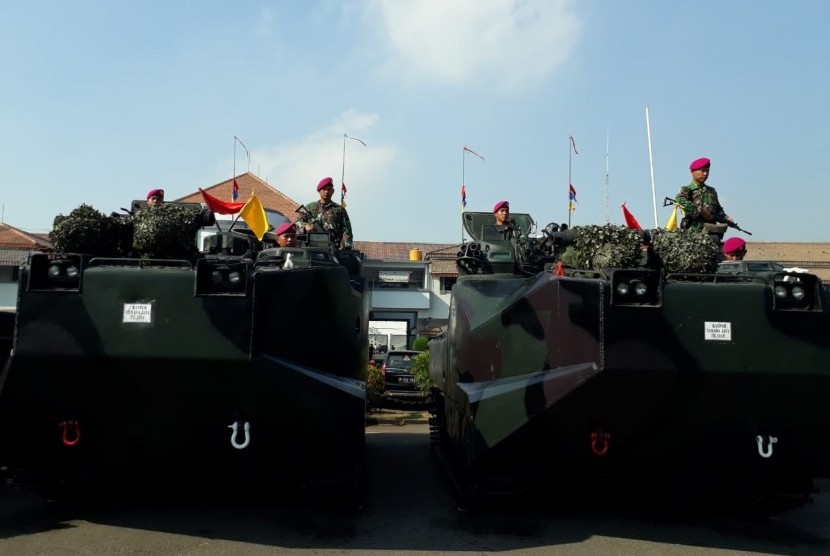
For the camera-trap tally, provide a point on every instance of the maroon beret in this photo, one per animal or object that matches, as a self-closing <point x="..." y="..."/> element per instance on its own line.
<point x="501" y="204"/>
<point x="700" y="163"/>
<point x="156" y="193"/>
<point x="325" y="182"/>
<point x="733" y="245"/>
<point x="285" y="227"/>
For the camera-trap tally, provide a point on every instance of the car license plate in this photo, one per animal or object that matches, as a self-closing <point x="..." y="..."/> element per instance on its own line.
<point x="405" y="379"/>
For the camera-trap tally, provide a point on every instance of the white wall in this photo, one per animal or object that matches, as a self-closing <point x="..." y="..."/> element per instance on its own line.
<point x="8" y="294"/>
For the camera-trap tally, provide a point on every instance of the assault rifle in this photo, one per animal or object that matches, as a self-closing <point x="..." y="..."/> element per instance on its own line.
<point x="668" y="201"/>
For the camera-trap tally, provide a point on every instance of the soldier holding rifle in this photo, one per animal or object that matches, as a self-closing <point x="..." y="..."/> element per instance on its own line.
<point x="328" y="215"/>
<point x="700" y="203"/>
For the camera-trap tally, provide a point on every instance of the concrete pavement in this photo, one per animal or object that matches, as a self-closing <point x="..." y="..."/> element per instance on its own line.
<point x="400" y="417"/>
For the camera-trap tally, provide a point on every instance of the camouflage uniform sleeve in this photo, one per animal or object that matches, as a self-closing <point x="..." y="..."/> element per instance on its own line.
<point x="684" y="199"/>
<point x="308" y="215"/>
<point x="347" y="229"/>
<point x="720" y="215"/>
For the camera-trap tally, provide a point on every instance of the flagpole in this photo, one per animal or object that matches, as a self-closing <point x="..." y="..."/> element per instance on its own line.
<point x="651" y="167"/>
<point x="607" y="214"/>
<point x="248" y="154"/>
<point x="570" y="182"/>
<point x="463" y="186"/>
<point x="343" y="171"/>
<point x="464" y="151"/>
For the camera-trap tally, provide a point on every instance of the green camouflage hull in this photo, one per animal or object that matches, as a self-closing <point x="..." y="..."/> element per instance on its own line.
<point x="558" y="376"/>
<point x="138" y="372"/>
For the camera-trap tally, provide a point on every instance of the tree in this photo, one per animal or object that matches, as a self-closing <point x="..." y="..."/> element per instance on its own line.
<point x="420" y="372"/>
<point x="420" y="344"/>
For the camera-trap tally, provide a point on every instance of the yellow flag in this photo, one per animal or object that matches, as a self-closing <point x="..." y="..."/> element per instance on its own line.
<point x="254" y="216"/>
<point x="671" y="225"/>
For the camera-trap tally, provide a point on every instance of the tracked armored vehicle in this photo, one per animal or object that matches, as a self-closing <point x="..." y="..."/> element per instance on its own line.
<point x="227" y="369"/>
<point x="572" y="380"/>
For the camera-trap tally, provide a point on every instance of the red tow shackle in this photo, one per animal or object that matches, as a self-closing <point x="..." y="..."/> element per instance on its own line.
<point x="600" y="443"/>
<point x="70" y="428"/>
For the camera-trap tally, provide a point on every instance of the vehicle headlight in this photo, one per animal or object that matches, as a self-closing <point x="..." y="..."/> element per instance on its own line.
<point x="780" y="292"/>
<point x="221" y="277"/>
<point x="62" y="272"/>
<point x="54" y="271"/>
<point x="635" y="287"/>
<point x="798" y="293"/>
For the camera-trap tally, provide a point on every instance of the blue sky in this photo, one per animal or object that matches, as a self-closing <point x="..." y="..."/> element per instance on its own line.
<point x="102" y="101"/>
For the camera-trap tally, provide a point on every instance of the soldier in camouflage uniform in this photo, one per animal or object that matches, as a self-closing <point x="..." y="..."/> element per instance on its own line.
<point x="699" y="201"/>
<point x="506" y="225"/>
<point x="330" y="216"/>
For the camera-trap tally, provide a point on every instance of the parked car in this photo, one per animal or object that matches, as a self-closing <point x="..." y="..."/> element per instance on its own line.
<point x="748" y="267"/>
<point x="397" y="374"/>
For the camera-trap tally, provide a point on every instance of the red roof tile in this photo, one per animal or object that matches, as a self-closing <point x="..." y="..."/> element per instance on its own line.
<point x="396" y="251"/>
<point x="13" y="238"/>
<point x="443" y="267"/>
<point x="774" y="251"/>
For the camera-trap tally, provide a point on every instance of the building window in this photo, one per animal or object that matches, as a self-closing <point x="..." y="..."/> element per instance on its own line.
<point x="398" y="279"/>
<point x="9" y="273"/>
<point x="447" y="283"/>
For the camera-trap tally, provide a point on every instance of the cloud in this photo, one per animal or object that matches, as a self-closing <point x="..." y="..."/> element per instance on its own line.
<point x="295" y="167"/>
<point x="264" y="25"/>
<point x="514" y="43"/>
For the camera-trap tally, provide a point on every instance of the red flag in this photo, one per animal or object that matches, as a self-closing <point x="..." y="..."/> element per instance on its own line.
<point x="630" y="221"/>
<point x="220" y="207"/>
<point x="463" y="197"/>
<point x="235" y="194"/>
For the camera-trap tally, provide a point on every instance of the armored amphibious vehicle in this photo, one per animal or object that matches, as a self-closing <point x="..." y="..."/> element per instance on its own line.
<point x="580" y="378"/>
<point x="238" y="365"/>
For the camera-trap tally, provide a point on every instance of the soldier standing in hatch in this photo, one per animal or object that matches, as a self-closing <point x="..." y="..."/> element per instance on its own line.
<point x="507" y="227"/>
<point x="331" y="217"/>
<point x="734" y="249"/>
<point x="286" y="235"/>
<point x="501" y="211"/>
<point x="699" y="201"/>
<point x="155" y="197"/>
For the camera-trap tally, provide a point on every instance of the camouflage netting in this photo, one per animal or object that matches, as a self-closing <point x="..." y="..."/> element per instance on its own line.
<point x="690" y="251"/>
<point x="166" y="231"/>
<point x="86" y="230"/>
<point x="609" y="246"/>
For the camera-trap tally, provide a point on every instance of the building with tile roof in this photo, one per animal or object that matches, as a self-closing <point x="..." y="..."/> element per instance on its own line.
<point x="398" y="251"/>
<point x="15" y="246"/>
<point x="814" y="257"/>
